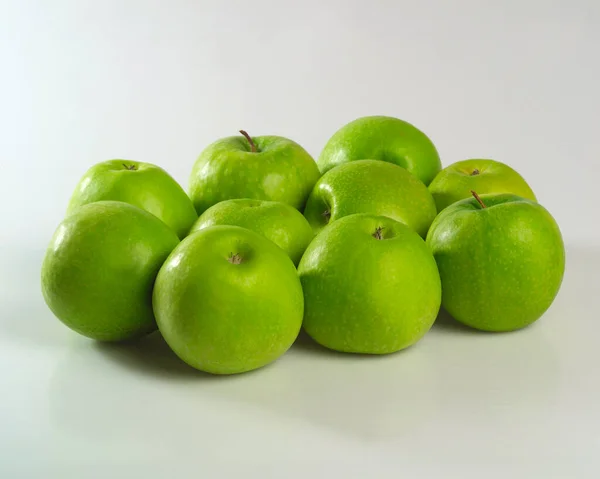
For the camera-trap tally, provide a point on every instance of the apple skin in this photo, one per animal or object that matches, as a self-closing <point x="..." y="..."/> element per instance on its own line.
<point x="382" y="138"/>
<point x="485" y="176"/>
<point x="144" y="185"/>
<point x="99" y="269"/>
<point x="281" y="170"/>
<point x="501" y="267"/>
<point x="370" y="186"/>
<point x="222" y="317"/>
<point x="368" y="295"/>
<point x="282" y="224"/>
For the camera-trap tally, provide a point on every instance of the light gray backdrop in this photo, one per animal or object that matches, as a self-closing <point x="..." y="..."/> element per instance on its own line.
<point x="85" y="81"/>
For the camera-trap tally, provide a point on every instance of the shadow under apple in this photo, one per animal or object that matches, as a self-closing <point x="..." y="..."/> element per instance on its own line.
<point x="149" y="355"/>
<point x="475" y="374"/>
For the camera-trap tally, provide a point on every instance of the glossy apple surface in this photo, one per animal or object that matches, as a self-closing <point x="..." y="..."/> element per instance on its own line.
<point x="382" y="138"/>
<point x="228" y="300"/>
<point x="370" y="286"/>
<point x="501" y="266"/>
<point x="278" y="222"/>
<point x="144" y="185"/>
<point x="269" y="168"/>
<point x="100" y="266"/>
<point x="370" y="186"/>
<point x="485" y="176"/>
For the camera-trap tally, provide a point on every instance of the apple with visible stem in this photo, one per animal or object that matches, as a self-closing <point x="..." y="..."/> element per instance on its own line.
<point x="99" y="269"/>
<point x="382" y="138"/>
<point x="269" y="168"/>
<point x="144" y="185"/>
<point x="485" y="176"/>
<point x="370" y="286"/>
<point x="278" y="222"/>
<point x="370" y="186"/>
<point x="228" y="300"/>
<point x="501" y="260"/>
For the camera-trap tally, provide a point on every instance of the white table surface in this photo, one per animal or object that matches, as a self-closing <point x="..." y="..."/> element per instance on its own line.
<point x="157" y="81"/>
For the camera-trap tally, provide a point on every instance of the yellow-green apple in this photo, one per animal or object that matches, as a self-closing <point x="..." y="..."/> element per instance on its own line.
<point x="382" y="138"/>
<point x="278" y="222"/>
<point x="99" y="269"/>
<point x="144" y="185"/>
<point x="228" y="300"/>
<point x="370" y="286"/>
<point x="485" y="176"/>
<point x="501" y="260"/>
<point x="269" y="168"/>
<point x="370" y="186"/>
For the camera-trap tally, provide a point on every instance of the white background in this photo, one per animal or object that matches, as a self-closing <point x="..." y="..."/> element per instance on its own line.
<point x="156" y="81"/>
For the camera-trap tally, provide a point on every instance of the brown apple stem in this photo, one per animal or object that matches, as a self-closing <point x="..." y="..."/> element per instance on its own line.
<point x="378" y="233"/>
<point x="234" y="258"/>
<point x="252" y="145"/>
<point x="479" y="200"/>
<point x="475" y="172"/>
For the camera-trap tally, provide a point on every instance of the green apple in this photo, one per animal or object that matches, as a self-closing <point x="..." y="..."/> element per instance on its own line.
<point x="269" y="168"/>
<point x="370" y="285"/>
<point x="144" y="185"/>
<point x="485" y="176"/>
<point x="501" y="260"/>
<point x="99" y="269"/>
<point x="370" y="186"/>
<point x="228" y="300"/>
<point x="282" y="224"/>
<point x="382" y="138"/>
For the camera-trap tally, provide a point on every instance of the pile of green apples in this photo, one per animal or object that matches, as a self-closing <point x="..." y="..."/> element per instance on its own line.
<point x="360" y="248"/>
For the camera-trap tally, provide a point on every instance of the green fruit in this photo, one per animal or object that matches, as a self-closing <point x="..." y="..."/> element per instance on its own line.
<point x="370" y="286"/>
<point x="283" y="225"/>
<point x="501" y="266"/>
<point x="263" y="168"/>
<point x="382" y="138"/>
<point x="100" y="266"/>
<point x="228" y="300"/>
<point x="370" y="186"/>
<point x="455" y="182"/>
<point x="144" y="185"/>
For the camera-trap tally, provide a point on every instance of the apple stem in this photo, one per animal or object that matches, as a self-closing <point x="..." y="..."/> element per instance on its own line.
<point x="479" y="200"/>
<point x="327" y="215"/>
<point x="252" y="145"/>
<point x="378" y="233"/>
<point x="234" y="258"/>
<point x="475" y="172"/>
